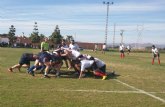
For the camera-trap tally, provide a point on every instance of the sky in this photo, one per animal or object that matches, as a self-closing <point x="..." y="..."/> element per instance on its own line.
<point x="143" y="21"/>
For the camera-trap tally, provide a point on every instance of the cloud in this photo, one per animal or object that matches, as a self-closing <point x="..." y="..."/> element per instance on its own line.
<point x="83" y="19"/>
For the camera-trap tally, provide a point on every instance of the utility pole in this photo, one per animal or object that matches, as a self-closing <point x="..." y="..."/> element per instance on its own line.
<point x="23" y="34"/>
<point x="121" y="36"/>
<point x="106" y="26"/>
<point x="140" y="29"/>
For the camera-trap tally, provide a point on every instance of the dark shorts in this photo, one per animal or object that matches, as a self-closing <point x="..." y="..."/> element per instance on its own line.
<point x="44" y="57"/>
<point x="129" y="50"/>
<point x="156" y="55"/>
<point x="24" y="61"/>
<point x="121" y="51"/>
<point x="64" y="57"/>
<point x="103" y="68"/>
<point x="56" y="59"/>
<point x="76" y="62"/>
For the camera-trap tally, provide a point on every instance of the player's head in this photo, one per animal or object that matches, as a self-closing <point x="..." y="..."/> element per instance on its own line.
<point x="46" y="39"/>
<point x="91" y="58"/>
<point x="36" y="56"/>
<point x="153" y="46"/>
<point x="72" y="41"/>
<point x="63" y="41"/>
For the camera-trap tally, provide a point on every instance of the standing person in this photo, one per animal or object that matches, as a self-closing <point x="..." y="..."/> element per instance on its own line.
<point x="63" y="46"/>
<point x="74" y="46"/>
<point x="155" y="53"/>
<point x="104" y="48"/>
<point x="24" y="61"/>
<point x="96" y="48"/>
<point x="129" y="49"/>
<point x="45" y="45"/>
<point x="121" y="49"/>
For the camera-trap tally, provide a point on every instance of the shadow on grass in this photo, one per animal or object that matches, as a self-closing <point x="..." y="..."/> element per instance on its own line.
<point x="74" y="75"/>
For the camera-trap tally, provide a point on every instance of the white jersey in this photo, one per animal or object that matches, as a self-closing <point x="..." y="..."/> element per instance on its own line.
<point x="121" y="47"/>
<point x="155" y="51"/>
<point x="75" y="54"/>
<point x="74" y="47"/>
<point x="99" y="63"/>
<point x="64" y="46"/>
<point x="86" y="64"/>
<point x="128" y="47"/>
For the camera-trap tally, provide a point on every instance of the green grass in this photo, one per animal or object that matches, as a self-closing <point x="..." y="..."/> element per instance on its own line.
<point x="20" y="89"/>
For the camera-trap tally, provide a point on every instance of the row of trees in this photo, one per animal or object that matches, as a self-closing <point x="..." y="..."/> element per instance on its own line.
<point x="55" y="37"/>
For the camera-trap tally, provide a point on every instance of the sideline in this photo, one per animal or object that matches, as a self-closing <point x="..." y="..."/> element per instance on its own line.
<point x="141" y="91"/>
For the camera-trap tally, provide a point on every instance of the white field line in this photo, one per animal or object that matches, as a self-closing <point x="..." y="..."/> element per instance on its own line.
<point x="100" y="91"/>
<point x="141" y="91"/>
<point x="94" y="91"/>
<point x="105" y="91"/>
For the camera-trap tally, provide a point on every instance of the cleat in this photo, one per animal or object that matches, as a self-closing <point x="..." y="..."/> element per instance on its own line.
<point x="32" y="73"/>
<point x="104" y="77"/>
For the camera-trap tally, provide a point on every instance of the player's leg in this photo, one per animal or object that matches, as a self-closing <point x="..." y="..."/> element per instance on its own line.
<point x="13" y="67"/>
<point x="101" y="74"/>
<point x="153" y="59"/>
<point x="158" y="59"/>
<point x="47" y="64"/>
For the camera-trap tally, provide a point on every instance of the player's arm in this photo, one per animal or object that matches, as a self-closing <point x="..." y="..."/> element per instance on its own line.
<point x="82" y="70"/>
<point x="80" y="74"/>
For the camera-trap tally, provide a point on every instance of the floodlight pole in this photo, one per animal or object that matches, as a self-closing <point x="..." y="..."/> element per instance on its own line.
<point x="106" y="26"/>
<point x="121" y="36"/>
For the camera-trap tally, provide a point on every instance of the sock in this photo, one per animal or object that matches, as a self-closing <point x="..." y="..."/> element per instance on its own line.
<point x="158" y="61"/>
<point x="97" y="73"/>
<point x="31" y="69"/>
<point x="152" y="61"/>
<point x="121" y="55"/>
<point x="45" y="73"/>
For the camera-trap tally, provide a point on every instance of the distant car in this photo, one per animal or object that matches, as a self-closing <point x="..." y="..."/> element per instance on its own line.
<point x="81" y="49"/>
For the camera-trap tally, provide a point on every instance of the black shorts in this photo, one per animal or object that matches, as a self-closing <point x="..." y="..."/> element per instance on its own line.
<point x="24" y="61"/>
<point x="64" y="57"/>
<point x="156" y="55"/>
<point x="56" y="59"/>
<point x="76" y="62"/>
<point x="121" y="51"/>
<point x="103" y="68"/>
<point x="129" y="50"/>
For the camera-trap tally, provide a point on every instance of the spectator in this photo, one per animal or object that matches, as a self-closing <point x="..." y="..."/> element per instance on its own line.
<point x="74" y="46"/>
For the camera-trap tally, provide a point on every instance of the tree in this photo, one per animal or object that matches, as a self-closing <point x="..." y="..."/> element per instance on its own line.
<point x="35" y="38"/>
<point x="56" y="36"/>
<point x="11" y="35"/>
<point x="42" y="36"/>
<point x="69" y="38"/>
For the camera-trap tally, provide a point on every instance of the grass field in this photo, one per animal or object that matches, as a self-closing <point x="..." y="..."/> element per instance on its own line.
<point x="138" y="84"/>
